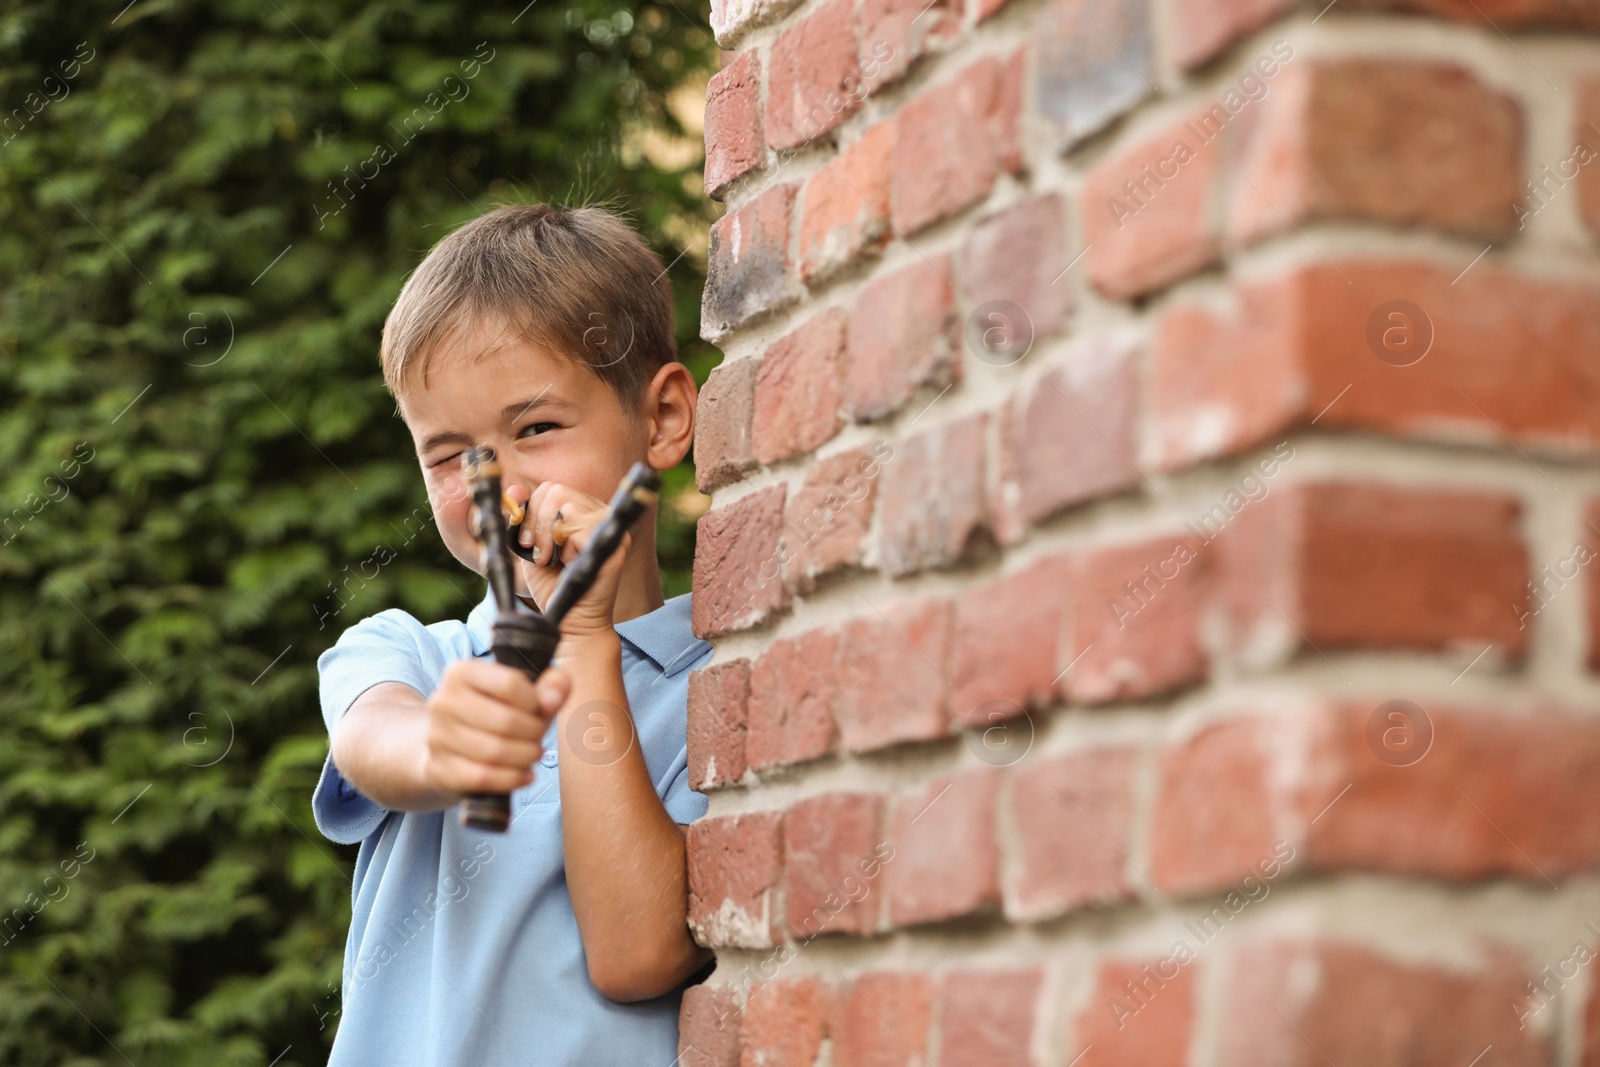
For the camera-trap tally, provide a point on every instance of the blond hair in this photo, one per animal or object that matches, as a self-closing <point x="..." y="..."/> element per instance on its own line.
<point x="576" y="280"/>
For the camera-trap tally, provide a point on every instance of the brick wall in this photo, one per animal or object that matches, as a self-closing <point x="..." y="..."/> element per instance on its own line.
<point x="1154" y="492"/>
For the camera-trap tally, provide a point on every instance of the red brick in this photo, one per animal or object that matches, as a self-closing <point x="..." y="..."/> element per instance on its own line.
<point x="951" y="143"/>
<point x="1071" y="436"/>
<point x="1152" y="214"/>
<point x="932" y="505"/>
<point x="800" y="389"/>
<point x="1203" y="29"/>
<point x="717" y="721"/>
<point x="722" y="450"/>
<point x="1007" y="642"/>
<point x="813" y="82"/>
<point x="1299" y="1004"/>
<point x="1074" y="831"/>
<point x="829" y="514"/>
<point x="833" y="854"/>
<point x="1135" y="628"/>
<point x="1219" y="386"/>
<point x="1485" y="800"/>
<point x="785" y="1023"/>
<point x="1301" y="786"/>
<point x="708" y="1027"/>
<point x="902" y="336"/>
<point x="1331" y="565"/>
<point x="896" y="33"/>
<point x="1587" y="134"/>
<point x="734" y="865"/>
<point x="1325" y="148"/>
<point x="882" y="1020"/>
<point x="1140" y="1014"/>
<point x="734" y="145"/>
<point x="1503" y="14"/>
<point x="1094" y="63"/>
<point x="793" y="688"/>
<point x="988" y="1018"/>
<point x="891" y="676"/>
<point x="946" y="858"/>
<point x="845" y="214"/>
<point x="750" y="271"/>
<point x="1018" y="255"/>
<point x="1215" y="814"/>
<point x="1508" y="355"/>
<point x="1270" y="148"/>
<point x="735" y="549"/>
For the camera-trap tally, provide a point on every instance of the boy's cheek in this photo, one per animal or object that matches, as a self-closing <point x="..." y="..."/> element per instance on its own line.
<point x="451" y="501"/>
<point x="463" y="547"/>
<point x="447" y="487"/>
<point x="451" y="517"/>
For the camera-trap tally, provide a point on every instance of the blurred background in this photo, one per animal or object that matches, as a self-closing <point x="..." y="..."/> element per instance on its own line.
<point x="206" y="210"/>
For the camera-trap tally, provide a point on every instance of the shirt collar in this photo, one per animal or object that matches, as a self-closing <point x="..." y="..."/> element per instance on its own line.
<point x="664" y="635"/>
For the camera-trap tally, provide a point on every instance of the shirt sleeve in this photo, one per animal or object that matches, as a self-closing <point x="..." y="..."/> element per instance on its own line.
<point x="383" y="648"/>
<point x="681" y="802"/>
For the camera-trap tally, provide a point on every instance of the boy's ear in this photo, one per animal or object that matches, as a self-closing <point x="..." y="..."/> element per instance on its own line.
<point x="669" y="414"/>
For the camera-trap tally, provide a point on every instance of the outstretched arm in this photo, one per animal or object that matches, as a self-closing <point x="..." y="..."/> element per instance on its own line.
<point x="480" y="732"/>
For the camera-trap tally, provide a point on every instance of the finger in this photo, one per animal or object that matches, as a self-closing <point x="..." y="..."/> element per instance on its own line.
<point x="535" y="500"/>
<point x="491" y="679"/>
<point x="514" y="503"/>
<point x="580" y="541"/>
<point x="563" y="529"/>
<point x="512" y="721"/>
<point x="535" y="582"/>
<point x="544" y="520"/>
<point x="568" y="504"/>
<point x="555" y="685"/>
<point x="470" y="678"/>
<point x="460" y="775"/>
<point x="479" y="746"/>
<point x="582" y="529"/>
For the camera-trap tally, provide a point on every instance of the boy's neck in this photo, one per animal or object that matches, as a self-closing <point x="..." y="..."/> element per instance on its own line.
<point x="639" y="591"/>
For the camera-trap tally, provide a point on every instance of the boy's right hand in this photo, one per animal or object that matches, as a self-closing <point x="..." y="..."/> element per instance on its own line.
<point x="486" y="725"/>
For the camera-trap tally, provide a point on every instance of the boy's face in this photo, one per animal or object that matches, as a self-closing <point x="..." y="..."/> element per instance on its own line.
<point x="548" y="419"/>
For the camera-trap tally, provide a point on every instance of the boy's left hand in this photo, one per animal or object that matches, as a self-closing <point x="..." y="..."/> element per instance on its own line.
<point x="594" y="614"/>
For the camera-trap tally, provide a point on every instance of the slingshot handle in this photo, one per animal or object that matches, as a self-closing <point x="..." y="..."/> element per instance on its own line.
<point x="527" y="642"/>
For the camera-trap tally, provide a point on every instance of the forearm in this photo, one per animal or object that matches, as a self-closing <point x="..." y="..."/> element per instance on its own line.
<point x="625" y="859"/>
<point x="379" y="747"/>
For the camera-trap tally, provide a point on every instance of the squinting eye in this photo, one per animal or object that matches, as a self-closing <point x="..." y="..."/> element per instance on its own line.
<point x="439" y="463"/>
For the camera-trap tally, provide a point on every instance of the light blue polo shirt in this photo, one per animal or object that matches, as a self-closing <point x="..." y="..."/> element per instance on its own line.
<point x="463" y="948"/>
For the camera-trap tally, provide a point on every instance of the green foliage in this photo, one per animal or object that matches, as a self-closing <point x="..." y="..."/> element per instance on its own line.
<point x="197" y="454"/>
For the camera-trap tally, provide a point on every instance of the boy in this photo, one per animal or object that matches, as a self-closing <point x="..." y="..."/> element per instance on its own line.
<point x="546" y="334"/>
